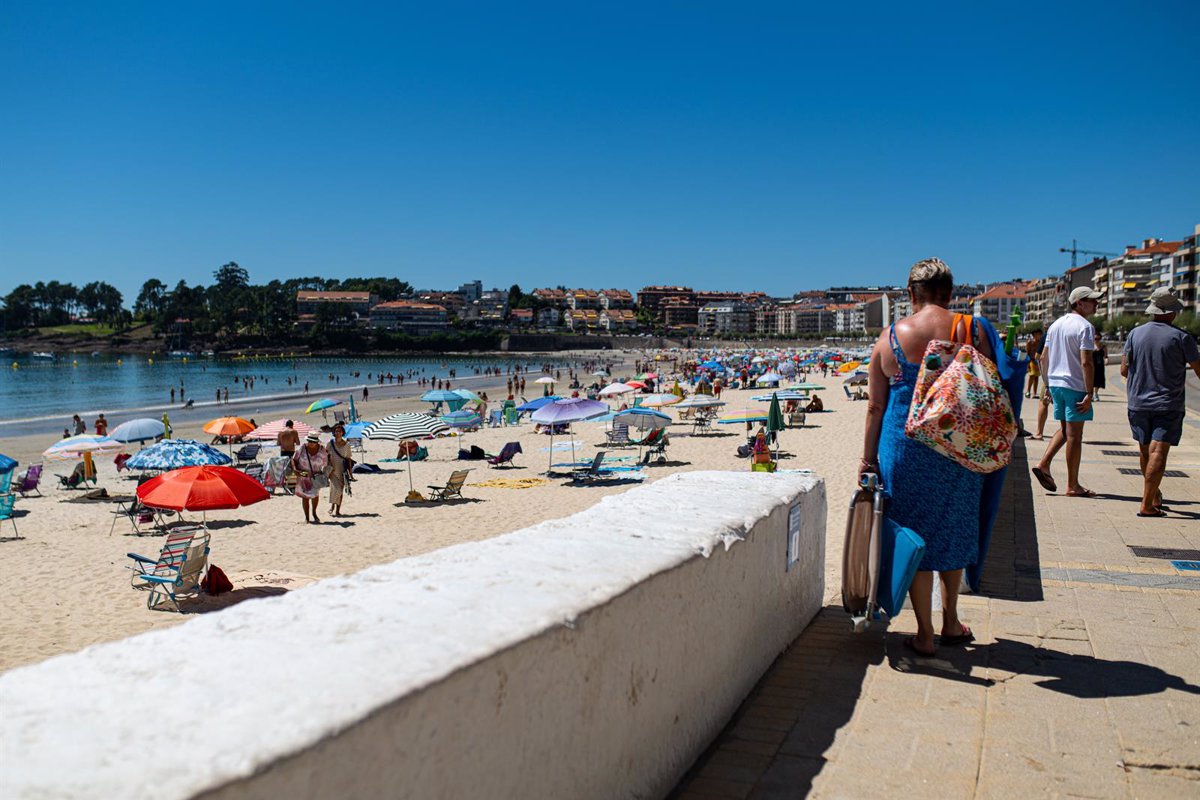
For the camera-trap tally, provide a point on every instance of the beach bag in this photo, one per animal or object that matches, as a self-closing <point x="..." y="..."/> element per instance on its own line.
<point x="216" y="581"/>
<point x="319" y="479"/>
<point x="959" y="406"/>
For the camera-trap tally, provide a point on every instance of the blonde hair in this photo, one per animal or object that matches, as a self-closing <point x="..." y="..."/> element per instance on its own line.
<point x="931" y="279"/>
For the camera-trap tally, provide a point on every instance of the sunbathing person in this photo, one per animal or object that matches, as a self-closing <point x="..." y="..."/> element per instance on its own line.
<point x="814" y="405"/>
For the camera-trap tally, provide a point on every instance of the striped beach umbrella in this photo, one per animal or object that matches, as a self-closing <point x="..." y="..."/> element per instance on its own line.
<point x="406" y="425"/>
<point x="73" y="447"/>
<point x="271" y="430"/>
<point x="177" y="453"/>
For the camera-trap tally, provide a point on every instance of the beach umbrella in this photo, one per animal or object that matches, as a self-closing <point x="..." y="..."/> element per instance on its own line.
<point x="775" y="421"/>
<point x="406" y="425"/>
<point x="355" y="430"/>
<point x="536" y="403"/>
<point x="271" y="430"/>
<point x="617" y="388"/>
<point x="769" y="377"/>
<point x="600" y="373"/>
<point x="138" y="430"/>
<point x="175" y="454"/>
<point x="811" y="387"/>
<point x="467" y="394"/>
<point x="644" y="419"/>
<point x="7" y="463"/>
<point x="228" y="426"/>
<point x="202" y="488"/>
<point x="546" y="379"/>
<point x="782" y="394"/>
<point x="571" y="409"/>
<point x="659" y="400"/>
<point x="462" y="419"/>
<point x="849" y="365"/>
<point x="72" y="448"/>
<point x="743" y="417"/>
<point x="635" y="384"/>
<point x="439" y="396"/>
<point x="699" y="401"/>
<point x="321" y="405"/>
<point x="857" y="379"/>
<point x="714" y="366"/>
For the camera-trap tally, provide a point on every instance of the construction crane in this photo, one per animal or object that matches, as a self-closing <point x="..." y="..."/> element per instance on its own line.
<point x="1075" y="251"/>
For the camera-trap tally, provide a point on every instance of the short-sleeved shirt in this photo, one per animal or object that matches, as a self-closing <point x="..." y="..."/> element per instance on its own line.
<point x="1064" y="340"/>
<point x="1158" y="355"/>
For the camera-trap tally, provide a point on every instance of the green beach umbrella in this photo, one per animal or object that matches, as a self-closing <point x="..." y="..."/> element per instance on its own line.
<point x="775" y="419"/>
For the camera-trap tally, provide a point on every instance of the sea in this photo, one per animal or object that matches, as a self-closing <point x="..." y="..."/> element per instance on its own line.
<point x="33" y="388"/>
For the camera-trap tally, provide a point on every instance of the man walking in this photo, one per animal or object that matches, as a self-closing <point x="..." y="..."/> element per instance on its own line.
<point x="1067" y="365"/>
<point x="1157" y="355"/>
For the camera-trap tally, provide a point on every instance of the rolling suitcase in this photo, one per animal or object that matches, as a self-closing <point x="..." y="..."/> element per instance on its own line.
<point x="879" y="557"/>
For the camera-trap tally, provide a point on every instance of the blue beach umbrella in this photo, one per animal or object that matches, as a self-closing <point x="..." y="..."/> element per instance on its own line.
<point x="138" y="430"/>
<point x="355" y="430"/>
<point x="7" y="463"/>
<point x="534" y="405"/>
<point x="176" y="453"/>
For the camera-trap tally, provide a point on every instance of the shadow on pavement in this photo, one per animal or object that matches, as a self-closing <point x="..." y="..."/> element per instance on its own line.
<point x="1013" y="569"/>
<point x="1079" y="676"/>
<point x="789" y="720"/>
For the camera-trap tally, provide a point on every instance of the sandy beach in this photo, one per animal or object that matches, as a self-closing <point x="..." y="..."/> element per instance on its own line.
<point x="85" y="598"/>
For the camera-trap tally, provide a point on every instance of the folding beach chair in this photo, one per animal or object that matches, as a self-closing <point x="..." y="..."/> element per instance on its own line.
<point x="453" y="487"/>
<point x="495" y="418"/>
<point x="618" y="436"/>
<point x="255" y="471"/>
<point x="339" y="416"/>
<point x="701" y="425"/>
<point x="247" y="454"/>
<point x="278" y="474"/>
<point x="28" y="481"/>
<point x="356" y="445"/>
<point x="506" y="455"/>
<point x="7" y="504"/>
<point x="176" y="573"/>
<point x="84" y="471"/>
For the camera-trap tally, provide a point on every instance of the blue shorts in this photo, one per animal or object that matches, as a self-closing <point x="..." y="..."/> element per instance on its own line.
<point x="1064" y="405"/>
<point x="1156" y="426"/>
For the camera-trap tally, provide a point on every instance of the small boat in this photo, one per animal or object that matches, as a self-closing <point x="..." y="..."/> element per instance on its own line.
<point x="50" y="356"/>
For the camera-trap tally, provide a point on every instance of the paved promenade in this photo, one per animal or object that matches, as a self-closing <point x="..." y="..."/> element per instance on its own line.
<point x="1084" y="680"/>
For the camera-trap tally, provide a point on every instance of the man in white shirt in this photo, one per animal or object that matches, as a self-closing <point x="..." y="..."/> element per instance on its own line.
<point x="1067" y="364"/>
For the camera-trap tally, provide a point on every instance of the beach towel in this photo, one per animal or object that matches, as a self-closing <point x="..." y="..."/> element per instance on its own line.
<point x="1012" y="368"/>
<point x="512" y="483"/>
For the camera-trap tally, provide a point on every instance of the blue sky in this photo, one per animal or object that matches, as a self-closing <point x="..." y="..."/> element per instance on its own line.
<point x="722" y="145"/>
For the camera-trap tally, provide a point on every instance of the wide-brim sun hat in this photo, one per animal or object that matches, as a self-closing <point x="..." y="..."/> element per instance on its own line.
<point x="1162" y="301"/>
<point x="312" y="438"/>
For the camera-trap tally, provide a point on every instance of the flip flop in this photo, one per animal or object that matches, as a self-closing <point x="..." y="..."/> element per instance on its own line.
<point x="966" y="637"/>
<point x="1158" y="512"/>
<point x="1084" y="493"/>
<point x="1045" y="480"/>
<point x="910" y="644"/>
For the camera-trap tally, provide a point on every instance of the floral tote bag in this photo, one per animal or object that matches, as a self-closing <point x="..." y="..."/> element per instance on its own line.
<point x="959" y="406"/>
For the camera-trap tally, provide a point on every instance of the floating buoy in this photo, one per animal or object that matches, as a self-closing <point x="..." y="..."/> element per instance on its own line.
<point x="15" y="365"/>
<point x="74" y="363"/>
<point x="119" y="362"/>
<point x="185" y="359"/>
<point x="149" y="360"/>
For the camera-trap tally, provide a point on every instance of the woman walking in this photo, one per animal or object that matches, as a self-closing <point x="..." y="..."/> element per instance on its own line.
<point x="930" y="493"/>
<point x="1099" y="362"/>
<point x="310" y="462"/>
<point x="340" y="466"/>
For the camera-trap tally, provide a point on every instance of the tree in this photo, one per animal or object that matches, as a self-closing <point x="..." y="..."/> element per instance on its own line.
<point x="151" y="300"/>
<point x="232" y="276"/>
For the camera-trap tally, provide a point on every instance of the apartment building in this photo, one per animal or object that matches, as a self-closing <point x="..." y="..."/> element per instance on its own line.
<point x="1045" y="300"/>
<point x="998" y="302"/>
<point x="357" y="305"/>
<point x="616" y="298"/>
<point x="724" y="319"/>
<point x="415" y="319"/>
<point x="618" y="320"/>
<point x="1132" y="276"/>
<point x="1178" y="271"/>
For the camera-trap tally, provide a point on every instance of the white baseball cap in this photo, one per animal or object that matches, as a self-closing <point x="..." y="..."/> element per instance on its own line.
<point x="1083" y="293"/>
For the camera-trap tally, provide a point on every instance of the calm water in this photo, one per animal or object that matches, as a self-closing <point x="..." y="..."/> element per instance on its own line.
<point x="81" y="383"/>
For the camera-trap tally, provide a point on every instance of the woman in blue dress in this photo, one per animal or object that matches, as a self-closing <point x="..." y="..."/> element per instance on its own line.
<point x="930" y="494"/>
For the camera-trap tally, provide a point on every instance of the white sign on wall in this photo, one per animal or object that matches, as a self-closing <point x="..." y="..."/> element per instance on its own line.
<point x="793" y="535"/>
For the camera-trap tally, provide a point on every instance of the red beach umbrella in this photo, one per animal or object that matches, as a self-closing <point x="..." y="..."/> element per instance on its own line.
<point x="204" y="488"/>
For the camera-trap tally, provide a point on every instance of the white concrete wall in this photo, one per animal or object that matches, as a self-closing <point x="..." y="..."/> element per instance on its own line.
<point x="593" y="656"/>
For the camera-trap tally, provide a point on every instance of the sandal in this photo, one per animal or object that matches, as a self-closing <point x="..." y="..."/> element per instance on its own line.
<point x="1158" y="512"/>
<point x="966" y="637"/>
<point x="910" y="643"/>
<point x="1045" y="480"/>
<point x="1084" y="493"/>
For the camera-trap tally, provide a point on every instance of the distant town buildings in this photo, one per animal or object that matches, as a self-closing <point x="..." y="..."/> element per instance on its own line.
<point x="1126" y="281"/>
